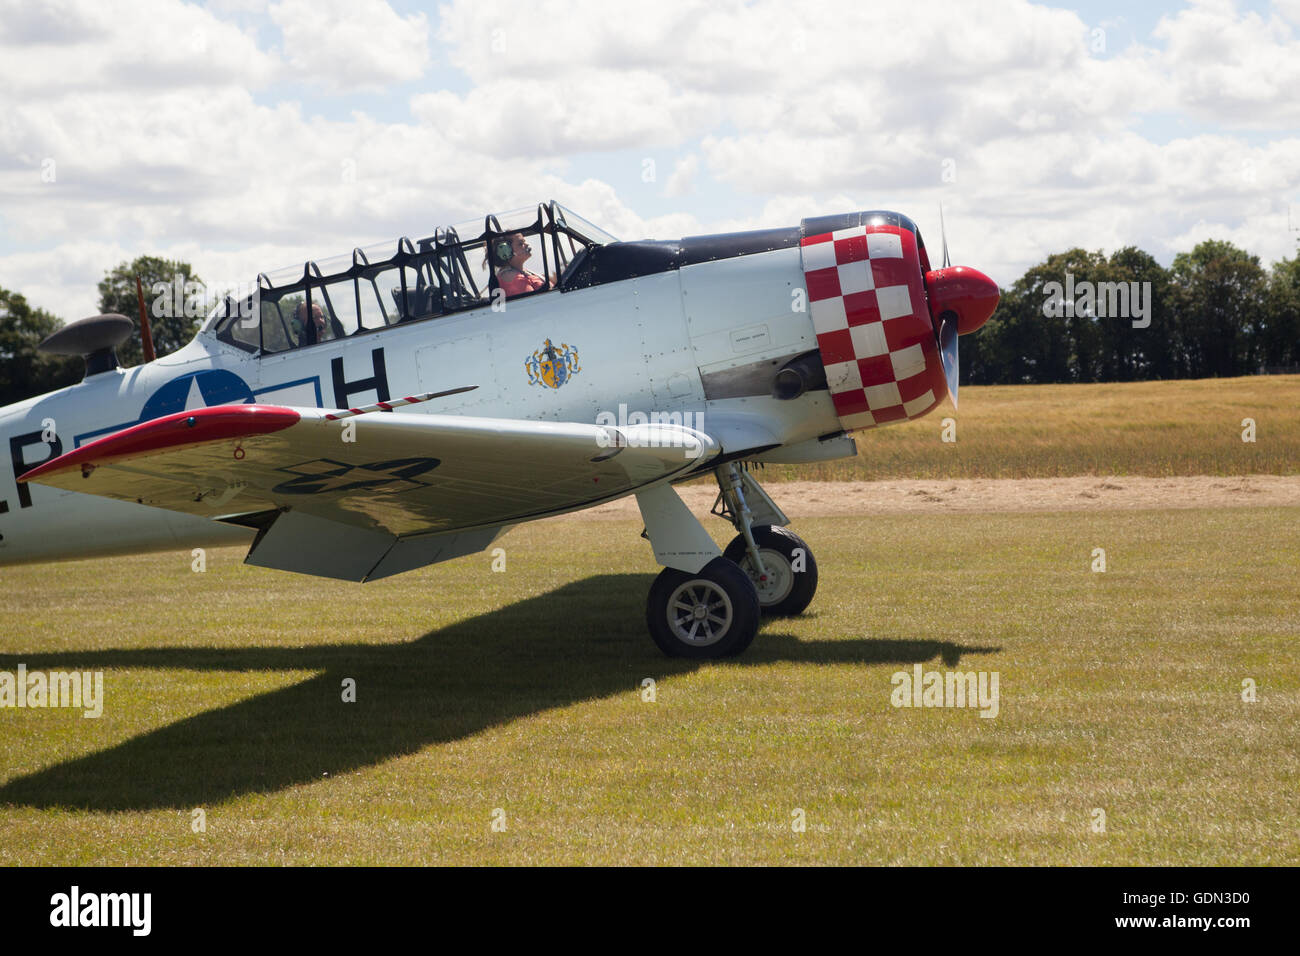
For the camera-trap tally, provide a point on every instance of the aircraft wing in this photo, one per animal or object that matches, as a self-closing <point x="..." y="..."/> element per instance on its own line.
<point x="362" y="496"/>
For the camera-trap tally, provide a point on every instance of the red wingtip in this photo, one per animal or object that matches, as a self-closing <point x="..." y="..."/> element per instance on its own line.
<point x="171" y="431"/>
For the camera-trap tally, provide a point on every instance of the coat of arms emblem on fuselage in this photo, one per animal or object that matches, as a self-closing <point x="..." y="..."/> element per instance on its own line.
<point x="552" y="365"/>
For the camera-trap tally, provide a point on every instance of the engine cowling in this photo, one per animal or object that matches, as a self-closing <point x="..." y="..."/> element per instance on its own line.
<point x="867" y="298"/>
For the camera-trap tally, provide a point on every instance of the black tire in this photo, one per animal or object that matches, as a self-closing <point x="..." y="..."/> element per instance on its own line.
<point x="731" y="611"/>
<point x="792" y="590"/>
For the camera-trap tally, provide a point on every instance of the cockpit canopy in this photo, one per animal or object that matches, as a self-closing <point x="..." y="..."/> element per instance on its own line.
<point x="384" y="284"/>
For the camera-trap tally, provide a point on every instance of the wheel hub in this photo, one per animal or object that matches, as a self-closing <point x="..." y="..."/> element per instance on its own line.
<point x="699" y="612"/>
<point x="775" y="585"/>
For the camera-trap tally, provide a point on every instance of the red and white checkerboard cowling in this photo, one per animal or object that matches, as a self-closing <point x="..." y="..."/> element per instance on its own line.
<point x="867" y="297"/>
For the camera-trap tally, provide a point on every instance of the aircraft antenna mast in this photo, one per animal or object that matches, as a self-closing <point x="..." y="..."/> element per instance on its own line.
<point x="146" y="334"/>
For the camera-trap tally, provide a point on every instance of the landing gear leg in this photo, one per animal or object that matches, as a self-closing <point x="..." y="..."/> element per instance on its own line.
<point x="779" y="562"/>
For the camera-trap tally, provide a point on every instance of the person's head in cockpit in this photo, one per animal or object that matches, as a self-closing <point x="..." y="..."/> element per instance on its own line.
<point x="508" y="254"/>
<point x="315" y="330"/>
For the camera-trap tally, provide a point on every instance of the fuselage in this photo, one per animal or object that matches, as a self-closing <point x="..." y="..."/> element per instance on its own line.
<point x="701" y="340"/>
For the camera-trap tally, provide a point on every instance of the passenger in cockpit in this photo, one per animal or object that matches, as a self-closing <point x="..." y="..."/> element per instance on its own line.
<point x="508" y="255"/>
<point x="317" y="330"/>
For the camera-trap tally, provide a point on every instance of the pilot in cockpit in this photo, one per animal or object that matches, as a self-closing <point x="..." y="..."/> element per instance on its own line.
<point x="508" y="255"/>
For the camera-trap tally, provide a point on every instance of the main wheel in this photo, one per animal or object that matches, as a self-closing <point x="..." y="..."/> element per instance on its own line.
<point x="791" y="579"/>
<point x="711" y="613"/>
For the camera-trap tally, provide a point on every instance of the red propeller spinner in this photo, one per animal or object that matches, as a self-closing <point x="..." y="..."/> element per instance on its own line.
<point x="968" y="293"/>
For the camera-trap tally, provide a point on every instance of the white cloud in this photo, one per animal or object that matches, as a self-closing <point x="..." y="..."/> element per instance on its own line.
<point x="1239" y="69"/>
<point x="1290" y="9"/>
<point x="63" y="279"/>
<point x="82" y="45"/>
<point x="352" y="44"/>
<point x="682" y="181"/>
<point x="173" y="134"/>
<point x="584" y="111"/>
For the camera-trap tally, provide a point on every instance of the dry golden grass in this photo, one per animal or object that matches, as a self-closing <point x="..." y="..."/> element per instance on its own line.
<point x="1045" y="431"/>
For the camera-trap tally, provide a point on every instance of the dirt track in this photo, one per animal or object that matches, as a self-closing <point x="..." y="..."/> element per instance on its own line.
<point x="814" y="499"/>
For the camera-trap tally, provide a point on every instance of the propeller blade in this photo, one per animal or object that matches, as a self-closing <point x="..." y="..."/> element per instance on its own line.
<point x="943" y="234"/>
<point x="948" y="352"/>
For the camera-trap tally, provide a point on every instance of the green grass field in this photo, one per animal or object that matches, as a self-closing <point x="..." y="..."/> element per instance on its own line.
<point x="1119" y="691"/>
<point x="1045" y="431"/>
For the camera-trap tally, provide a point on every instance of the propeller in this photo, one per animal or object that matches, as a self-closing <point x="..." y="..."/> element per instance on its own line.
<point x="961" y="300"/>
<point x="948" y="353"/>
<point x="943" y="234"/>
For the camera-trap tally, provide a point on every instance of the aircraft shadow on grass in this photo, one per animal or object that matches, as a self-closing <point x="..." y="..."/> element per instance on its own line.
<point x="584" y="640"/>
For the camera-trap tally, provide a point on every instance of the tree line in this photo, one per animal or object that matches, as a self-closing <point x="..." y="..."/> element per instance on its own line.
<point x="1214" y="312"/>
